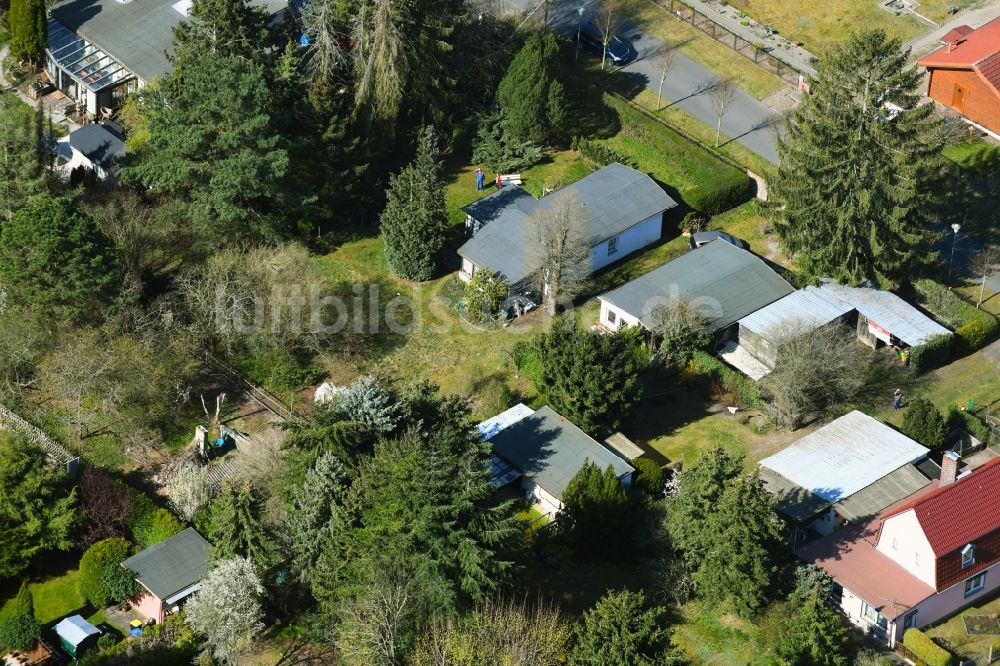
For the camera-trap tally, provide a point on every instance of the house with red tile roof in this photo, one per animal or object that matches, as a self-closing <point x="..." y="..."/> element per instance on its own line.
<point x="964" y="74"/>
<point x="921" y="559"/>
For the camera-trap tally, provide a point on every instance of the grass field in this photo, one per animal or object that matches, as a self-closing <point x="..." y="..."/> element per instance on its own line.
<point x="54" y="598"/>
<point x="975" y="648"/>
<point x="819" y="24"/>
<point x="701" y="48"/>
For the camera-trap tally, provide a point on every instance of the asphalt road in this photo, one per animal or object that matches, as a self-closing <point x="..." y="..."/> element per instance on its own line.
<point x="687" y="86"/>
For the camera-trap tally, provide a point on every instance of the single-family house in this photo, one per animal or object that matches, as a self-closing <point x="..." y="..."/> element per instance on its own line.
<point x="624" y="209"/>
<point x="95" y="147"/>
<point x="75" y="635"/>
<point x="964" y="74"/>
<point x="846" y="471"/>
<point x="169" y="572"/>
<point x="721" y="281"/>
<point x="923" y="558"/>
<point x="884" y="318"/>
<point x="543" y="450"/>
<point x="763" y="332"/>
<point x="100" y="50"/>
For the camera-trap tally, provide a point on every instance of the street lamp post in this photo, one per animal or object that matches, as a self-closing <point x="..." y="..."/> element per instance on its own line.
<point x="955" y="227"/>
<point x="579" y="27"/>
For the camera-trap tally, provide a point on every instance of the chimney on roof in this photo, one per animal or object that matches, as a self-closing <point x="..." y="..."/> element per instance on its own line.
<point x="949" y="467"/>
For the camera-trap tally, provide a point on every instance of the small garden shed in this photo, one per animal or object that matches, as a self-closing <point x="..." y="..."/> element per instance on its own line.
<point x="76" y="635"/>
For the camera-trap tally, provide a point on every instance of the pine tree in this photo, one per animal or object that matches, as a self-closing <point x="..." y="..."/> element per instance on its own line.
<point x="28" y="29"/>
<point x="414" y="222"/>
<point x="742" y="539"/>
<point x="816" y="635"/>
<point x="20" y="630"/>
<point x="589" y="378"/>
<point x="236" y="529"/>
<point x="924" y="423"/>
<point x="595" y="518"/>
<point x="620" y="631"/>
<point x="316" y="510"/>
<point x="700" y="489"/>
<point x="24" y="154"/>
<point x="530" y="96"/>
<point x="855" y="192"/>
<point x="225" y="27"/>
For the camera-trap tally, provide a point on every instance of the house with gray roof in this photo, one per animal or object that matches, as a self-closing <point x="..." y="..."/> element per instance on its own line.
<point x="624" y="209"/>
<point x="846" y="471"/>
<point x="544" y="450"/>
<point x="169" y="572"/>
<point x="721" y="281"/>
<point x="99" y="50"/>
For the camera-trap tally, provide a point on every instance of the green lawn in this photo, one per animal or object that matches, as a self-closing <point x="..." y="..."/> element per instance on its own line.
<point x="710" y="636"/>
<point x="701" y="48"/>
<point x="820" y="24"/>
<point x="961" y="644"/>
<point x="54" y="598"/>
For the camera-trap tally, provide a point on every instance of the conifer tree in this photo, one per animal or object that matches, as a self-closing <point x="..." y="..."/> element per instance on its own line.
<point x="595" y="516"/>
<point x="414" y="222"/>
<point x="24" y="154"/>
<point x="816" y="636"/>
<point x="619" y="630"/>
<point x="743" y="538"/>
<point x="236" y="529"/>
<point x="856" y="188"/>
<point x="700" y="488"/>
<point x="20" y="630"/>
<point x="316" y="510"/>
<point x="28" y="29"/>
<point x="224" y="27"/>
<point x="530" y="96"/>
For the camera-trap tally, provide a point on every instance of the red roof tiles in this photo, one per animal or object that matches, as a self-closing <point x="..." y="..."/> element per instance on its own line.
<point x="955" y="35"/>
<point x="977" y="46"/>
<point x="961" y="512"/>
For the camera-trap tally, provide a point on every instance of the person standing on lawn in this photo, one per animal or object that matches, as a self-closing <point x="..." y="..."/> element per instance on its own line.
<point x="897" y="399"/>
<point x="480" y="179"/>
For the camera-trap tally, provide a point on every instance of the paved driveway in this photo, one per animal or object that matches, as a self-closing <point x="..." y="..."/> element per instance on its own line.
<point x="747" y="121"/>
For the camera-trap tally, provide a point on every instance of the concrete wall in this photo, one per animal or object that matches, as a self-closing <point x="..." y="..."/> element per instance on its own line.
<point x="607" y="309"/>
<point x="982" y="104"/>
<point x="537" y="495"/>
<point x="760" y="347"/>
<point x="902" y="540"/>
<point x="646" y="232"/>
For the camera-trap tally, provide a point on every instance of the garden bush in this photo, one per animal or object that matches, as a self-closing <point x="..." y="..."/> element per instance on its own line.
<point x="731" y="380"/>
<point x="598" y="152"/>
<point x="279" y="370"/>
<point x="20" y="630"/>
<point x="527" y="361"/>
<point x="921" y="645"/>
<point x="971" y="336"/>
<point x="970" y="423"/>
<point x="958" y="314"/>
<point x="102" y="578"/>
<point x="924" y="423"/>
<point x="932" y="354"/>
<point x="150" y="524"/>
<point x="725" y="193"/>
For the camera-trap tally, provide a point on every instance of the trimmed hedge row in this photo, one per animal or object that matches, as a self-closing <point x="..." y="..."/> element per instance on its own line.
<point x="921" y="645"/>
<point x="970" y="423"/>
<point x="932" y="354"/>
<point x="973" y="327"/>
<point x="732" y="380"/>
<point x="598" y="152"/>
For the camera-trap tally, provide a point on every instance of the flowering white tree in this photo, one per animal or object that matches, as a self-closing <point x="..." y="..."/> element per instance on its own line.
<point x="227" y="609"/>
<point x="188" y="490"/>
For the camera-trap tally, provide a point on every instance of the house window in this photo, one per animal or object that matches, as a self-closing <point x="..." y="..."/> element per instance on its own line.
<point x="611" y="316"/>
<point x="893" y="543"/>
<point x="910" y="620"/>
<point x="975" y="584"/>
<point x="613" y="246"/>
<point x="968" y="556"/>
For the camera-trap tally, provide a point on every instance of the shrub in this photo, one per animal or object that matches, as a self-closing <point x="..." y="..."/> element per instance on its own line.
<point x="932" y="354"/>
<point x="972" y="424"/>
<point x="971" y="336"/>
<point x="20" y="630"/>
<point x="527" y="361"/>
<point x="102" y="579"/>
<point x="484" y="294"/>
<point x="106" y="642"/>
<point x="926" y="649"/>
<point x="598" y="152"/>
<point x="731" y="380"/>
<point x="723" y="194"/>
<point x="150" y="524"/>
<point x="279" y="369"/>
<point x="924" y="423"/>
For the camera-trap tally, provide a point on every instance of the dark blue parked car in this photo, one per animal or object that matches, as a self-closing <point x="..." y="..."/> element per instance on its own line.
<point x="619" y="49"/>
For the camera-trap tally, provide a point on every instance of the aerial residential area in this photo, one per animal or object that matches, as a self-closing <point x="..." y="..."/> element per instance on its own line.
<point x="500" y="332"/>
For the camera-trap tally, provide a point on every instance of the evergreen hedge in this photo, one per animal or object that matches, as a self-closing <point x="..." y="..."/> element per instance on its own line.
<point x="932" y="354"/>
<point x="958" y="315"/>
<point x="925" y="649"/>
<point x="598" y="152"/>
<point x="970" y="423"/>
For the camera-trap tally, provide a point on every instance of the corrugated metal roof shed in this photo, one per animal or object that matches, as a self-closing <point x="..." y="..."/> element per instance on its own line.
<point x="798" y="312"/>
<point x="888" y="490"/>
<point x="888" y="311"/>
<point x="721" y="280"/>
<point x="793" y="501"/>
<point x="844" y="456"/>
<point x="550" y="450"/>
<point x="495" y="424"/>
<point x="75" y="630"/>
<point x="615" y="198"/>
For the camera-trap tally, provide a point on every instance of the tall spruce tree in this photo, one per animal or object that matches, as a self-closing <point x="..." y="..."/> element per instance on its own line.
<point x="743" y="538"/>
<point x="224" y="27"/>
<point x="591" y="379"/>
<point x="414" y="222"/>
<point x="530" y="96"/>
<point x="236" y="529"/>
<point x="620" y="630"/>
<point x="28" y="29"/>
<point x="816" y="635"/>
<point x="595" y="519"/>
<point x="700" y="489"/>
<point x="24" y="154"/>
<point x="855" y="191"/>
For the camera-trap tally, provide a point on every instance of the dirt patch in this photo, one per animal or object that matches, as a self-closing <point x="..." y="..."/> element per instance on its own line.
<point x="981" y="625"/>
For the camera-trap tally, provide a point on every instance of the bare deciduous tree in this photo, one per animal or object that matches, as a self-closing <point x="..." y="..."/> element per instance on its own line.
<point x="722" y="93"/>
<point x="608" y="20"/>
<point x="379" y="59"/>
<point x="372" y="622"/>
<point x="664" y="62"/>
<point x="681" y="327"/>
<point x="985" y="263"/>
<point x="559" y="246"/>
<point x="326" y="55"/>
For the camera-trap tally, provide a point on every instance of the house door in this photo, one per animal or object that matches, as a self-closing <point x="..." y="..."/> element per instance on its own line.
<point x="958" y="97"/>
